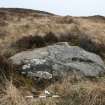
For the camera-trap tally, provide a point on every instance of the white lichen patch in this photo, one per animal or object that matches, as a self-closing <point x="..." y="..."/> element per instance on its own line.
<point x="38" y="61"/>
<point x="40" y="74"/>
<point x="27" y="66"/>
<point x="27" y="63"/>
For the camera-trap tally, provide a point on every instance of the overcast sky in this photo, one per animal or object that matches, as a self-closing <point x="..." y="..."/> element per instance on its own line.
<point x="60" y="7"/>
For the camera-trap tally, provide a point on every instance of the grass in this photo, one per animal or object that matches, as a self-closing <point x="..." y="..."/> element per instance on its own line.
<point x="27" y="30"/>
<point x="37" y="41"/>
<point x="80" y="92"/>
<point x="73" y="90"/>
<point x="19" y="26"/>
<point x="6" y="68"/>
<point x="10" y="95"/>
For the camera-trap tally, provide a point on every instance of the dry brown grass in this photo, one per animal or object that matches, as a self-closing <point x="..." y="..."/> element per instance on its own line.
<point x="33" y="29"/>
<point x="19" y="24"/>
<point x="6" y="69"/>
<point x="77" y="93"/>
<point x="73" y="90"/>
<point x="80" y="92"/>
<point x="10" y="95"/>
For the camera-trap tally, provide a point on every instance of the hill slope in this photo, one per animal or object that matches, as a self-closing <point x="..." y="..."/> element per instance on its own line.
<point x="24" y="29"/>
<point x="19" y="24"/>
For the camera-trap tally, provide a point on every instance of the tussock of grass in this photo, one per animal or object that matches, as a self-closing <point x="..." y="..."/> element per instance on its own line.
<point x="6" y="68"/>
<point x="29" y="42"/>
<point x="80" y="92"/>
<point x="37" y="41"/>
<point x="10" y="95"/>
<point x="92" y="44"/>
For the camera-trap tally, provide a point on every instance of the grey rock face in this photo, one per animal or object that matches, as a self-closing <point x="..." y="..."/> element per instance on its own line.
<point x="59" y="59"/>
<point x="40" y="75"/>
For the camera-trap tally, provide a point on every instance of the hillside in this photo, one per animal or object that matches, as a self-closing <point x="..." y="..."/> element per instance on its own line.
<point x="60" y="59"/>
<point x="18" y="23"/>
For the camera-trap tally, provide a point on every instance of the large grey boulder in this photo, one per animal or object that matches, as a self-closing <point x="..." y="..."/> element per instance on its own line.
<point x="59" y="59"/>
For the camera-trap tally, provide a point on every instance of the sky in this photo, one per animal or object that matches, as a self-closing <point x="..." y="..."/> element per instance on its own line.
<point x="60" y="7"/>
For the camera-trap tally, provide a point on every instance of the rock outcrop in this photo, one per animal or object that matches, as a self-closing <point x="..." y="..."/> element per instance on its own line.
<point x="59" y="59"/>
